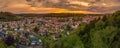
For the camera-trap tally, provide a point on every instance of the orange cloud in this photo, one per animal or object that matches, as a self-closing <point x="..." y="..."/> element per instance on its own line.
<point x="80" y="3"/>
<point x="23" y="8"/>
<point x="83" y="12"/>
<point x="56" y="10"/>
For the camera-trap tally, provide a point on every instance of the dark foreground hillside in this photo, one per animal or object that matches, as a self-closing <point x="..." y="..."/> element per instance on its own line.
<point x="104" y="33"/>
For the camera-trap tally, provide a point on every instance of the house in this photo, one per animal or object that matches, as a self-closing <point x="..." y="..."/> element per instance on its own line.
<point x="23" y="41"/>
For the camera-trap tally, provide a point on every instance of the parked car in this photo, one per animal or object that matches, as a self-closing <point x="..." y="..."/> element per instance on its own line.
<point x="35" y="41"/>
<point x="2" y="34"/>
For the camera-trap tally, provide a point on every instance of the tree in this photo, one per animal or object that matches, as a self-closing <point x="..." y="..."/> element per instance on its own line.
<point x="68" y="27"/>
<point x="36" y="29"/>
<point x="100" y="24"/>
<point x="9" y="40"/>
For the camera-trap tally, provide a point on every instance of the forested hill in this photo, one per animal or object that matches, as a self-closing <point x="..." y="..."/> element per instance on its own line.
<point x="7" y="16"/>
<point x="103" y="33"/>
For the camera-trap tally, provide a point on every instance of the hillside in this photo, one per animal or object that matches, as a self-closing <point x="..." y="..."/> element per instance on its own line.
<point x="6" y="16"/>
<point x="103" y="33"/>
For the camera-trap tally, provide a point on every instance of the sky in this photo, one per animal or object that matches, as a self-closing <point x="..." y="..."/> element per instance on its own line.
<point x="60" y="6"/>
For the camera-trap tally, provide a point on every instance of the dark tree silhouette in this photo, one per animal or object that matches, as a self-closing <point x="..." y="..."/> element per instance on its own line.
<point x="9" y="40"/>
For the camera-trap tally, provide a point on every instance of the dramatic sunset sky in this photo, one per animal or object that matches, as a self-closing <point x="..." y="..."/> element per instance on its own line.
<point x="60" y="6"/>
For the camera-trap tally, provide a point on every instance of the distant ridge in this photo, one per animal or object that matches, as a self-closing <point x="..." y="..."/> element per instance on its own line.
<point x="58" y="15"/>
<point x="7" y="16"/>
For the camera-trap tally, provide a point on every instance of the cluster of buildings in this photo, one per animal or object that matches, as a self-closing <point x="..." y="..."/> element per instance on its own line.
<point x="46" y="25"/>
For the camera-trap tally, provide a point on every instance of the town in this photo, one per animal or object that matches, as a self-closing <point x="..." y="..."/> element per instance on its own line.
<point x="59" y="23"/>
<point x="29" y="31"/>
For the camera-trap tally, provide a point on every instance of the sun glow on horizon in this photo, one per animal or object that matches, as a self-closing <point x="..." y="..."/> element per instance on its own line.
<point x="22" y="8"/>
<point x="56" y="10"/>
